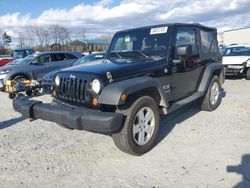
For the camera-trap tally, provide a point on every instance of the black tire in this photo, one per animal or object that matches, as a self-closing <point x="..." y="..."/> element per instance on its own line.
<point x="206" y="104"/>
<point x="36" y="93"/>
<point x="12" y="95"/>
<point x="20" y="78"/>
<point x="29" y="92"/>
<point x="248" y="74"/>
<point x="125" y="140"/>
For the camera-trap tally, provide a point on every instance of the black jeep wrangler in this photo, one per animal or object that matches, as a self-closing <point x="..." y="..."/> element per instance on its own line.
<point x="147" y="71"/>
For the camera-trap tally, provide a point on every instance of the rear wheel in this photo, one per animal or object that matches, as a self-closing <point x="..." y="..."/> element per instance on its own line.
<point x="212" y="98"/>
<point x="248" y="74"/>
<point x="141" y="127"/>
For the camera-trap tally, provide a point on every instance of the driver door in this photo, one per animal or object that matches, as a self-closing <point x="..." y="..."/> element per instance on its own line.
<point x="185" y="70"/>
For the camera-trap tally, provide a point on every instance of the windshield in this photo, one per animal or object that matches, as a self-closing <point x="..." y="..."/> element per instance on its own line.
<point x="89" y="58"/>
<point x="24" y="60"/>
<point x="237" y="51"/>
<point x="141" y="42"/>
<point x="18" y="54"/>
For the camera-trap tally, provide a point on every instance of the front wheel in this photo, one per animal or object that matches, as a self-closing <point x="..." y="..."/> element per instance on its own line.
<point x="212" y="98"/>
<point x="141" y="127"/>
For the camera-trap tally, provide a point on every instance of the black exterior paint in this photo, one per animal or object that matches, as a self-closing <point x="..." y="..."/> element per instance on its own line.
<point x="176" y="83"/>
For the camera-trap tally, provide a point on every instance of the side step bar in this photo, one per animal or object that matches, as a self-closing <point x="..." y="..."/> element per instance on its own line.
<point x="179" y="104"/>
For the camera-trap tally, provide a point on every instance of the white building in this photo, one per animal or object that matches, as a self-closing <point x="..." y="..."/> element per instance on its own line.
<point x="236" y="36"/>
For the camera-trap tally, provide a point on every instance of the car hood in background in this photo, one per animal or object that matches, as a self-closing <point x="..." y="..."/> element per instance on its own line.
<point x="50" y="75"/>
<point x="234" y="60"/>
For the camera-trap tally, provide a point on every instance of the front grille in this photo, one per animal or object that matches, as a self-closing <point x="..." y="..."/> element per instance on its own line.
<point x="72" y="89"/>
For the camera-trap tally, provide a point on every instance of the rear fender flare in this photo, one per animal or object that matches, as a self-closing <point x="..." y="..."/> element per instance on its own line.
<point x="210" y="71"/>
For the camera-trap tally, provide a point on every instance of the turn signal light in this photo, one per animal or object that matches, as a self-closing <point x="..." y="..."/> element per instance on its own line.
<point x="123" y="97"/>
<point x="95" y="101"/>
<point x="53" y="93"/>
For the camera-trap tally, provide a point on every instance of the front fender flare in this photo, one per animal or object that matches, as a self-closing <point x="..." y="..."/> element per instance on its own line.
<point x="111" y="94"/>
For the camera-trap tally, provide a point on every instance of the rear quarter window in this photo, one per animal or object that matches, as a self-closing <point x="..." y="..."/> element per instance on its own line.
<point x="71" y="56"/>
<point x="58" y="57"/>
<point x="208" y="42"/>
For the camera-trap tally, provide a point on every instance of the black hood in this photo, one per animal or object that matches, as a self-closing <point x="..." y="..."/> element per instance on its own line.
<point x="119" y="67"/>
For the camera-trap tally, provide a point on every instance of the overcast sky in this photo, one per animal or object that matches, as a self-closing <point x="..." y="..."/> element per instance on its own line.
<point x="109" y="16"/>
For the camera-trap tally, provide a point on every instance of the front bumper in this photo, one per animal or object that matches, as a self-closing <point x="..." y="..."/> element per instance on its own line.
<point x="1" y="85"/>
<point x="234" y="69"/>
<point x="71" y="117"/>
<point x="2" y="81"/>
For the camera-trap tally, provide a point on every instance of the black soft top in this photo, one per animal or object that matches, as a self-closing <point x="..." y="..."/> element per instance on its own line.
<point x="173" y="25"/>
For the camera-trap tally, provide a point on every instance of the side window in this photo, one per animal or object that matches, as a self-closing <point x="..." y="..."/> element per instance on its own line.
<point x="208" y="42"/>
<point x="44" y="58"/>
<point x="58" y="57"/>
<point x="89" y="58"/>
<point x="70" y="56"/>
<point x="186" y="37"/>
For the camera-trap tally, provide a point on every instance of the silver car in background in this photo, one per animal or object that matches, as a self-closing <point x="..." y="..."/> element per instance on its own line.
<point x="36" y="65"/>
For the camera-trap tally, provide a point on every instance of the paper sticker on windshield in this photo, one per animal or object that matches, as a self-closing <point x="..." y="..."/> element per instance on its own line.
<point x="158" y="30"/>
<point x="99" y="56"/>
<point x="127" y="38"/>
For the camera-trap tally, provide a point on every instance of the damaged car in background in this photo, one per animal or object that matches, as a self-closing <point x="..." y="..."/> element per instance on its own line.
<point x="236" y="60"/>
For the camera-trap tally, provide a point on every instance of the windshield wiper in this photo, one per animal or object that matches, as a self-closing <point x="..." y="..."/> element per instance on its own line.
<point x="136" y="51"/>
<point x="116" y="53"/>
<point x="142" y="54"/>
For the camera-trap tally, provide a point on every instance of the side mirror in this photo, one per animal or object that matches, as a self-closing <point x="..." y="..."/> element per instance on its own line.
<point x="184" y="51"/>
<point x="11" y="55"/>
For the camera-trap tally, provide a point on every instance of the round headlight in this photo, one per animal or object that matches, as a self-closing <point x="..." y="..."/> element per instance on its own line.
<point x="57" y="81"/>
<point x="96" y="86"/>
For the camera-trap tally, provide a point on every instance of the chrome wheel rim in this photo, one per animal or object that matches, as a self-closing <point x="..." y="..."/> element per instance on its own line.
<point x="143" y="126"/>
<point x="214" y="93"/>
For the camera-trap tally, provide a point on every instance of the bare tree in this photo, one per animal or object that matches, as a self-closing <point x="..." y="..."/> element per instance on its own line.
<point x="41" y="34"/>
<point x="30" y="37"/>
<point x="81" y="34"/>
<point x="60" y="35"/>
<point x="37" y="31"/>
<point x="1" y="42"/>
<point x="106" y="38"/>
<point x="46" y="37"/>
<point x="21" y="40"/>
<point x="55" y="33"/>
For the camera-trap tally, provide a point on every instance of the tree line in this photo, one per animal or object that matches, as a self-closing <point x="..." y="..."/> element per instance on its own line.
<point x="41" y="38"/>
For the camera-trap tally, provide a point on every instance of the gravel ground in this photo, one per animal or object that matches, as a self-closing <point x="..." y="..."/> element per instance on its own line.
<point x="195" y="149"/>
